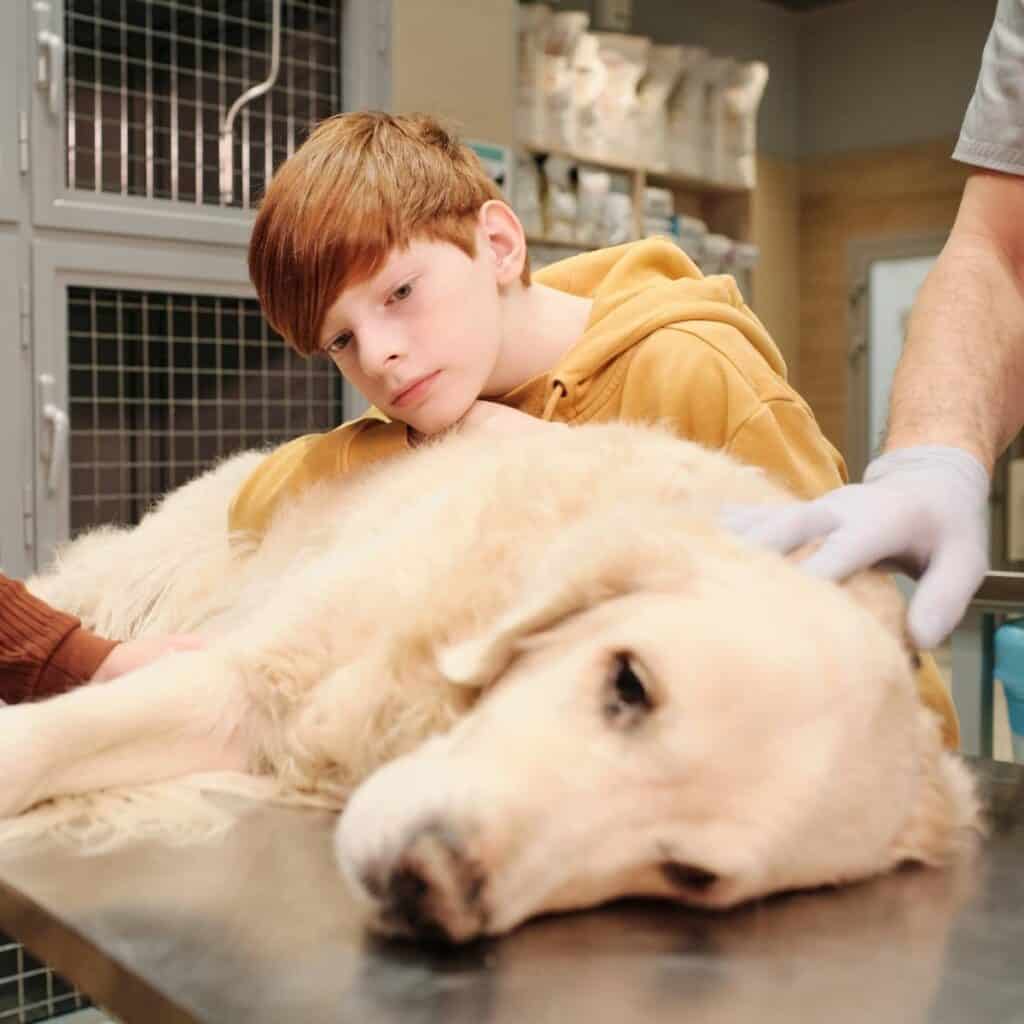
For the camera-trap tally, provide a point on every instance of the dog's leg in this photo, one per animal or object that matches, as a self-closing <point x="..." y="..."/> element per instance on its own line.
<point x="186" y="713"/>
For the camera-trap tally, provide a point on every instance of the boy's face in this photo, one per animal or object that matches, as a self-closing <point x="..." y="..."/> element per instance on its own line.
<point x="422" y="338"/>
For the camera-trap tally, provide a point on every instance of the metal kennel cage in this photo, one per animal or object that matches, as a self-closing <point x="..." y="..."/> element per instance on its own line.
<point x="126" y="199"/>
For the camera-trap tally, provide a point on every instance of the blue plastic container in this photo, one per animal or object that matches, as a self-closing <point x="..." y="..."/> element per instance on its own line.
<point x="1009" y="670"/>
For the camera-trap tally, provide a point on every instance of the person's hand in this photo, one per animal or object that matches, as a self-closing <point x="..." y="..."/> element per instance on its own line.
<point x="134" y="654"/>
<point x="923" y="508"/>
<point x="496" y="419"/>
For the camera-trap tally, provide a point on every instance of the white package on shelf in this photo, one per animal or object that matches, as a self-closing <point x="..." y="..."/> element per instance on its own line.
<point x="560" y="200"/>
<point x="526" y="196"/>
<point x="664" y="66"/>
<point x="718" y="72"/>
<point x="619" y="217"/>
<point x="564" y="29"/>
<point x="741" y="260"/>
<point x="590" y="76"/>
<point x="686" y="113"/>
<point x="691" y="232"/>
<point x="591" y="206"/>
<point x="532" y="27"/>
<point x="741" y="101"/>
<point x="659" y="202"/>
<point x="625" y="61"/>
<point x="715" y="253"/>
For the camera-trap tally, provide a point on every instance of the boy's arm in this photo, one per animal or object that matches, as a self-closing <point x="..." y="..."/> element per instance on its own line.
<point x="289" y="470"/>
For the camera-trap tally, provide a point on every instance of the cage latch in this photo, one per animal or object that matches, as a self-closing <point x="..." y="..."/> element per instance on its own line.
<point x="227" y="159"/>
<point x="49" y="54"/>
<point x="55" y="440"/>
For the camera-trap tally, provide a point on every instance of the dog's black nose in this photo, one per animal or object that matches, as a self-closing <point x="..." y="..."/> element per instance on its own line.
<point x="433" y="890"/>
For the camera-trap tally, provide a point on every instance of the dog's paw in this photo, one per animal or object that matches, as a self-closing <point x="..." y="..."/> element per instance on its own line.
<point x="21" y="760"/>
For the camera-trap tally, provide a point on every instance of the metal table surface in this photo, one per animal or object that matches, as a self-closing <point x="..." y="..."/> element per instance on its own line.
<point x="257" y="928"/>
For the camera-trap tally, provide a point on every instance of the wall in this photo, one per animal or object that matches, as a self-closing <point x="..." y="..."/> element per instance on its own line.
<point x="870" y="194"/>
<point x="775" y="225"/>
<point x="457" y="59"/>
<point x="877" y="73"/>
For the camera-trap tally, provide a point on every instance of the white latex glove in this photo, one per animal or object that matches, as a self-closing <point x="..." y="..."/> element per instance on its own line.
<point x="923" y="508"/>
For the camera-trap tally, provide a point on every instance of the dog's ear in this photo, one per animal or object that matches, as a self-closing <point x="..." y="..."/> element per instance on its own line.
<point x="946" y="815"/>
<point x="479" y="660"/>
<point x="591" y="565"/>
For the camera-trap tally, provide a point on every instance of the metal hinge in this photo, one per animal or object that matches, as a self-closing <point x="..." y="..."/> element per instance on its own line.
<point x="23" y="141"/>
<point x="28" y="518"/>
<point x="25" y="317"/>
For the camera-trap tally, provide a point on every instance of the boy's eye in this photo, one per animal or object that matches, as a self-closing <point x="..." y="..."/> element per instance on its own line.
<point x="402" y="293"/>
<point x="339" y="343"/>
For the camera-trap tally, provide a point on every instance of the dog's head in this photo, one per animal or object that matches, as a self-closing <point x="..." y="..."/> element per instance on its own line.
<point x="701" y="725"/>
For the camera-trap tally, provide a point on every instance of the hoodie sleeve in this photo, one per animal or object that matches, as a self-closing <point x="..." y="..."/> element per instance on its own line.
<point x="712" y="388"/>
<point x="289" y="470"/>
<point x="43" y="652"/>
<point x="783" y="437"/>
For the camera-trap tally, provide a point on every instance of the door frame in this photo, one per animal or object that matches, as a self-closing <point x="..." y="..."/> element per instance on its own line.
<point x="860" y="255"/>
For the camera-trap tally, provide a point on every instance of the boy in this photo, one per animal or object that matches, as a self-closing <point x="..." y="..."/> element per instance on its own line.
<point x="383" y="244"/>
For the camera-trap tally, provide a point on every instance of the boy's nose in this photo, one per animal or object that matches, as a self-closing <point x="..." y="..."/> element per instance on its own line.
<point x="379" y="353"/>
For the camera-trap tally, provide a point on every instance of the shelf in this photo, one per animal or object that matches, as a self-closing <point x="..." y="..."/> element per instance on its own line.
<point x="663" y="178"/>
<point x="560" y="243"/>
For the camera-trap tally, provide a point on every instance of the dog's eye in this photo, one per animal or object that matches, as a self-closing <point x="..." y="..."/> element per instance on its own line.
<point x="627" y="699"/>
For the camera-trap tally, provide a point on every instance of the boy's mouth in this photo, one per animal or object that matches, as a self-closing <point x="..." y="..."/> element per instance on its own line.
<point x="417" y="389"/>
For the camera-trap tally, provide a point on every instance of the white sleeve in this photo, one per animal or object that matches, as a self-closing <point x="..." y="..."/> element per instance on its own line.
<point x="992" y="135"/>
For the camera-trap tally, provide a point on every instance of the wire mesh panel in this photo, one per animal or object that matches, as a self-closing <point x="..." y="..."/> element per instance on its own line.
<point x="30" y="991"/>
<point x="148" y="83"/>
<point x="161" y="385"/>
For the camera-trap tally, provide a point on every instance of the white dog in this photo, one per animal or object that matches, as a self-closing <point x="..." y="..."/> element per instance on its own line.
<point x="561" y="683"/>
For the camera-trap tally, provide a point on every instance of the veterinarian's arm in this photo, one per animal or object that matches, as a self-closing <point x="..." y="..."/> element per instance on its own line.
<point x="958" y="399"/>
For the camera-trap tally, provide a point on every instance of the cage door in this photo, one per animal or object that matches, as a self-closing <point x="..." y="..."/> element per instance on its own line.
<point x="149" y="370"/>
<point x="13" y="123"/>
<point x="133" y="127"/>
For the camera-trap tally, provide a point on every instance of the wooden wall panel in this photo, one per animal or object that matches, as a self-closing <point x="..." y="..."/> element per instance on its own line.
<point x="884" y="193"/>
<point x="775" y="226"/>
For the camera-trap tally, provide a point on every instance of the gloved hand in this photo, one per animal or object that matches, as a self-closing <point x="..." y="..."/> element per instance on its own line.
<point x="923" y="508"/>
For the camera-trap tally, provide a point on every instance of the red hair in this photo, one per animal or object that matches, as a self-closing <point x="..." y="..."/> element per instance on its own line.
<point x="361" y="186"/>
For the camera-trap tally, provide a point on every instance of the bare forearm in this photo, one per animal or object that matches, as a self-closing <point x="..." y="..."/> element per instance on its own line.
<point x="961" y="378"/>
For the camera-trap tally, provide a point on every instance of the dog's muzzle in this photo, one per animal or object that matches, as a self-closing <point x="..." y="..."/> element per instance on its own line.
<point x="431" y="890"/>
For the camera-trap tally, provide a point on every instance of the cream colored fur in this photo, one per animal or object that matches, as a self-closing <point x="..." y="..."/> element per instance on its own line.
<point x="493" y="585"/>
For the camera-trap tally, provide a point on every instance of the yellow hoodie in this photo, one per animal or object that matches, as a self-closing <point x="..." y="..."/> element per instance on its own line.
<point x="663" y="344"/>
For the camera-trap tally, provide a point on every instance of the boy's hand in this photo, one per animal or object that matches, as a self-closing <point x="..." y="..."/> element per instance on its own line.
<point x="134" y="654"/>
<point x="495" y="419"/>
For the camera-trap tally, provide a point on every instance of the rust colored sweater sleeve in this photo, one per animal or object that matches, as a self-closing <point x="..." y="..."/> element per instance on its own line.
<point x="43" y="652"/>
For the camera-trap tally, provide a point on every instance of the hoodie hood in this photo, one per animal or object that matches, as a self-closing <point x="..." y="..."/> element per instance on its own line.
<point x="637" y="289"/>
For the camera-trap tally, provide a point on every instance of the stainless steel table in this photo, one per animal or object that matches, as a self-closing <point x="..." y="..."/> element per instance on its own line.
<point x="258" y="929"/>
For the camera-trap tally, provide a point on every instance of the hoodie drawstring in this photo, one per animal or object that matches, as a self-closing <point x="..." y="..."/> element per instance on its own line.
<point x="558" y="390"/>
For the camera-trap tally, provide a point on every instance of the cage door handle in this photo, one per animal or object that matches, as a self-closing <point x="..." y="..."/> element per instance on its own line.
<point x="49" y="54"/>
<point x="227" y="157"/>
<point x="55" y="448"/>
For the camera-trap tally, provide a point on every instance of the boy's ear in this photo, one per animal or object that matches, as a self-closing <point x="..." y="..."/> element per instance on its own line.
<point x="505" y="239"/>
